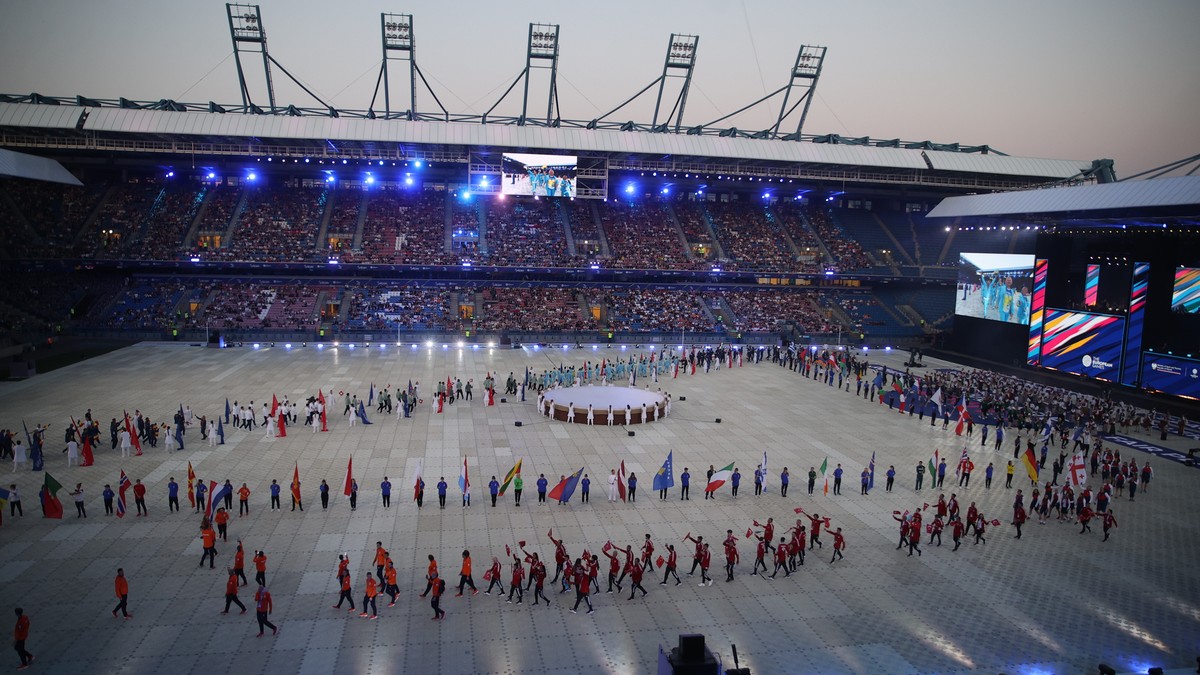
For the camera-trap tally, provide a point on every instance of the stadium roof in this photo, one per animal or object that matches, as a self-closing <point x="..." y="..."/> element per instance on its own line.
<point x="1080" y="200"/>
<point x="87" y="124"/>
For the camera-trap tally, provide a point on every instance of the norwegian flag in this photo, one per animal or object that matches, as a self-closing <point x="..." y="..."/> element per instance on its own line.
<point x="122" y="485"/>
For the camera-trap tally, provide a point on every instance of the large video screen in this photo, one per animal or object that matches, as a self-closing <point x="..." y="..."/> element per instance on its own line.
<point x="1083" y="343"/>
<point x="1186" y="296"/>
<point x="1171" y="374"/>
<point x="994" y="286"/>
<point x="538" y="175"/>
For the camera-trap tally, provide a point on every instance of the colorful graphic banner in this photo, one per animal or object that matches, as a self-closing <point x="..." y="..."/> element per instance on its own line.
<point x="1137" y="319"/>
<point x="1083" y="343"/>
<point x="1091" y="286"/>
<point x="1037" y="306"/>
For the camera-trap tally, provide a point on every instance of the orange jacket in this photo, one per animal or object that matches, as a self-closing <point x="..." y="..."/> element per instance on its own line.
<point x="380" y="555"/>
<point x="209" y="536"/>
<point x="122" y="585"/>
<point x="21" y="631"/>
<point x="260" y="562"/>
<point x="466" y="567"/>
<point x="262" y="601"/>
<point x="244" y="493"/>
<point x="390" y="575"/>
<point x="239" y="559"/>
<point x="222" y="517"/>
<point x="432" y="571"/>
<point x="345" y="582"/>
<point x="231" y="585"/>
<point x="372" y="588"/>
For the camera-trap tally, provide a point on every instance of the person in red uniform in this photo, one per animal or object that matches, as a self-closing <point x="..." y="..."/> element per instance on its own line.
<point x="905" y="525"/>
<point x="705" y="561"/>
<point x="956" y="531"/>
<point x="221" y="518"/>
<point x="582" y="581"/>
<point x="561" y="559"/>
<point x="231" y="592"/>
<point x="518" y="579"/>
<point x="1085" y="516"/>
<point x="20" y="635"/>
<point x="260" y="568"/>
<point x="263" y="608"/>
<point x="369" y="597"/>
<point x="781" y="554"/>
<point x="936" y="528"/>
<point x="839" y="544"/>
<point x="493" y="576"/>
<point x="972" y="514"/>
<point x="914" y="540"/>
<point x="953" y="506"/>
<point x="630" y="563"/>
<point x="122" y="588"/>
<point x="614" y="567"/>
<point x="670" y="567"/>
<point x="139" y="498"/>
<point x="815" y="536"/>
<point x="699" y="554"/>
<point x="1019" y="518"/>
<point x="635" y="576"/>
<point x="760" y="553"/>
<point x="239" y="563"/>
<point x="731" y="557"/>
<point x="943" y="509"/>
<point x="537" y="577"/>
<point x="769" y="532"/>
<point x="647" y="552"/>
<point x="1110" y="521"/>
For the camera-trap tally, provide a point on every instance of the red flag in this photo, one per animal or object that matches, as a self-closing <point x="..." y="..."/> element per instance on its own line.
<point x="191" y="486"/>
<point x="321" y="398"/>
<point x="798" y="510"/>
<point x="274" y="405"/>
<point x="756" y="524"/>
<point x="749" y="532"/>
<point x="659" y="561"/>
<point x="826" y="490"/>
<point x="686" y="536"/>
<point x="88" y="458"/>
<point x="492" y="396"/>
<point x="212" y="492"/>
<point x="296" y="483"/>
<point x="282" y="425"/>
<point x="550" y="533"/>
<point x="349" y="476"/>
<point x="608" y="545"/>
<point x="925" y="507"/>
<point x="122" y="486"/>
<point x="417" y="482"/>
<point x="621" y="481"/>
<point x="439" y="404"/>
<point x="521" y="543"/>
<point x="133" y="437"/>
<point x="996" y="523"/>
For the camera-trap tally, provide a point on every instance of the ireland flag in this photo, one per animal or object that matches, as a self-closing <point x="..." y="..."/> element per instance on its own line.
<point x="719" y="478"/>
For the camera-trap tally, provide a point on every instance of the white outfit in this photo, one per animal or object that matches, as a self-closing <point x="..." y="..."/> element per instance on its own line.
<point x="170" y="440"/>
<point x="72" y="453"/>
<point x="610" y="416"/>
<point x="591" y="418"/>
<point x="612" y="487"/>
<point x="125" y="443"/>
<point x="18" y="455"/>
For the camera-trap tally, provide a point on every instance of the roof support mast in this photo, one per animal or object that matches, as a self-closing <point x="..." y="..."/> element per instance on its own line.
<point x="805" y="74"/>
<point x="249" y="36"/>
<point x="681" y="56"/>
<point x="400" y="44"/>
<point x="541" y="52"/>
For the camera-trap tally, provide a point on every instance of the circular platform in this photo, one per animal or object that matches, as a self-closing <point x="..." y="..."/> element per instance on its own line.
<point x="626" y="404"/>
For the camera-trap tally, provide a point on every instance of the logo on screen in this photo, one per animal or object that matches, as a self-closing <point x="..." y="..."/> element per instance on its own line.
<point x="1195" y="373"/>
<point x="1098" y="364"/>
<point x="1087" y="361"/>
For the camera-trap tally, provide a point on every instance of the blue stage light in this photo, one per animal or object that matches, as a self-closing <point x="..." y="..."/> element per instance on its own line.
<point x="416" y="164"/>
<point x="370" y="179"/>
<point x="252" y="177"/>
<point x="408" y="180"/>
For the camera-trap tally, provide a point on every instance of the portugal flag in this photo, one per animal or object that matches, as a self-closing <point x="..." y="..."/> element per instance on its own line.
<point x="719" y="478"/>
<point x="51" y="506"/>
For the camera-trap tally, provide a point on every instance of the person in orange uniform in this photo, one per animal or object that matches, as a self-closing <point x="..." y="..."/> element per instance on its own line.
<point x="222" y="520"/>
<point x="231" y="592"/>
<point x="20" y="635"/>
<point x="391" y="588"/>
<point x="381" y="556"/>
<point x="263" y="607"/>
<point x="439" y="587"/>
<point x="260" y="568"/>
<point x="369" y="597"/>
<point x="345" y="592"/>
<point x="464" y="578"/>
<point x="243" y="500"/>
<point x="122" y="588"/>
<point x="431" y="575"/>
<point x="209" y="537"/>
<point x="239" y="563"/>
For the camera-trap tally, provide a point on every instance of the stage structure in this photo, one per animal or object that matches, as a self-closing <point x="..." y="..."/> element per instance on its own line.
<point x="249" y="37"/>
<point x="400" y="44"/>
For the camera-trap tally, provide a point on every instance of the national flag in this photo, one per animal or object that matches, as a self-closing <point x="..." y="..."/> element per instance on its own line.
<point x="88" y="458"/>
<point x="4" y="495"/>
<point x="274" y="405"/>
<point x="1047" y="431"/>
<point x="934" y="461"/>
<point x="417" y="482"/>
<point x="659" y="560"/>
<point x="719" y="477"/>
<point x="508" y="477"/>
<point x="566" y="487"/>
<point x="282" y="425"/>
<point x="764" y="471"/>
<point x="871" y="472"/>
<point x="321" y="399"/>
<point x="221" y="431"/>
<point x="211" y="505"/>
<point x="1031" y="465"/>
<point x="371" y="395"/>
<point x="936" y="400"/>
<point x="362" y="413"/>
<point x="963" y="417"/>
<point x="878" y="381"/>
<point x="899" y="394"/>
<point x="216" y="493"/>
<point x="665" y="478"/>
<point x="228" y="410"/>
<point x="295" y="483"/>
<point x="621" y="480"/>
<point x="1078" y="433"/>
<point x="133" y="437"/>
<point x="191" y="484"/>
<point x="962" y="463"/>
<point x="51" y="506"/>
<point x="464" y="477"/>
<point x="122" y="485"/>
<point x="1077" y="469"/>
<point x="36" y="456"/>
<point x="349" y="483"/>
<point x="824" y="466"/>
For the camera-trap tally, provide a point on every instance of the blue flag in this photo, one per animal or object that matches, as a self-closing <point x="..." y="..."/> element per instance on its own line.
<point x="871" y="468"/>
<point x="227" y="411"/>
<point x="371" y="395"/>
<point x="878" y="383"/>
<point x="569" y="487"/>
<point x="665" y="478"/>
<point x="35" y="449"/>
<point x="221" y="432"/>
<point x="362" y="413"/>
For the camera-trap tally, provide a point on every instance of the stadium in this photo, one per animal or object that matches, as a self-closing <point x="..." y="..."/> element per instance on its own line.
<point x="172" y="257"/>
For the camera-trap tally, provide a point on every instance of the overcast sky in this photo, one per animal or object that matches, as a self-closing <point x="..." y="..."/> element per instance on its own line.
<point x="1066" y="79"/>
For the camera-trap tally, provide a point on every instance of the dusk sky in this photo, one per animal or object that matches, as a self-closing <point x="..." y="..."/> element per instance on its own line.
<point x="1070" y="80"/>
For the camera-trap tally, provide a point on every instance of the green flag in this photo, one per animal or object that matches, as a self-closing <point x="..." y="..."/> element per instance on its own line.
<point x="512" y="473"/>
<point x="824" y="465"/>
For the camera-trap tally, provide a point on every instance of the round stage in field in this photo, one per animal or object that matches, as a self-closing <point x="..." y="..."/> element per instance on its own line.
<point x="629" y="405"/>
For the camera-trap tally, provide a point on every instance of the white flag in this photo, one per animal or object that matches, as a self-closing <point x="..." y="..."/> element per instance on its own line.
<point x="1077" y="469"/>
<point x="764" y="471"/>
<point x="936" y="399"/>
